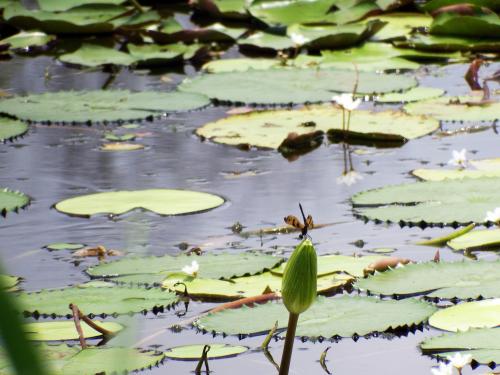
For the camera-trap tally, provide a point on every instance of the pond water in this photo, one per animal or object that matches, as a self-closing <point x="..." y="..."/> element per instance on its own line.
<point x="52" y="163"/>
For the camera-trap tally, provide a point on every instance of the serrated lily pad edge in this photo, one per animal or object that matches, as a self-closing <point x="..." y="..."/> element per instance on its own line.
<point x="3" y="212"/>
<point x="17" y="136"/>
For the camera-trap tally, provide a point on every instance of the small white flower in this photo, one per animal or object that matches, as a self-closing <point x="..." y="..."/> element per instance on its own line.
<point x="298" y="39"/>
<point x="459" y="158"/>
<point x="191" y="270"/>
<point x="347" y="101"/>
<point x="444" y="369"/>
<point x="458" y="360"/>
<point x="349" y="178"/>
<point x="493" y="216"/>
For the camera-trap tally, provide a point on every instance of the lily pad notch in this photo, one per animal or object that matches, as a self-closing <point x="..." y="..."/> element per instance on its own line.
<point x="12" y="201"/>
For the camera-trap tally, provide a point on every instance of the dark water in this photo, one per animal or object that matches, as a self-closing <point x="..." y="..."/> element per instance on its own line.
<point x="57" y="162"/>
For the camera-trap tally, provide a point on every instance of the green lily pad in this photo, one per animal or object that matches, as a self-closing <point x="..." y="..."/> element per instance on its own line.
<point x="433" y="5"/>
<point x="64" y="246"/>
<point x="26" y="39"/>
<point x="12" y="201"/>
<point x="222" y="266"/>
<point x="452" y="174"/>
<point x="486" y="164"/>
<point x="328" y="264"/>
<point x="92" y="300"/>
<point x="11" y="129"/>
<point x="268" y="129"/>
<point x="477" y="314"/>
<point x="441" y="241"/>
<point x="266" y="41"/>
<point x="440" y="280"/>
<point x="121" y="146"/>
<point x="94" y="55"/>
<point x="381" y="250"/>
<point x="456" y="109"/>
<point x="160" y="201"/>
<point x="65" y="330"/>
<point x="119" y="138"/>
<point x="80" y="20"/>
<point x="327" y="317"/>
<point x="242" y="287"/>
<point x="99" y="105"/>
<point x="477" y="240"/>
<point x="9" y="282"/>
<point x="241" y="65"/>
<point x="63" y="5"/>
<point x="479" y="26"/>
<point x="412" y="95"/>
<point x="292" y="85"/>
<point x="399" y="25"/>
<point x="450" y="43"/>
<point x="430" y="203"/>
<point x="482" y="344"/>
<point x="194" y="352"/>
<point x="278" y="12"/>
<point x="152" y="54"/>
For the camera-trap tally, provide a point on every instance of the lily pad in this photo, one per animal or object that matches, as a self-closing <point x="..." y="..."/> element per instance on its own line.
<point x="64" y="246"/>
<point x="65" y="330"/>
<point x="92" y="300"/>
<point x="478" y="26"/>
<point x="482" y="344"/>
<point x="291" y="86"/>
<point x="268" y="129"/>
<point x="11" y="129"/>
<point x="26" y="39"/>
<point x="100" y="105"/>
<point x="12" y="201"/>
<point x="450" y="43"/>
<point x="194" y="352"/>
<point x="433" y="5"/>
<point x="94" y="55"/>
<point x="121" y="146"/>
<point x="63" y="5"/>
<point x="278" y="12"/>
<point x="328" y="264"/>
<point x="119" y="137"/>
<point x="477" y="314"/>
<point x="452" y="174"/>
<point x="430" y="203"/>
<point x="477" y="240"/>
<point x="160" y="201"/>
<point x="442" y="280"/>
<point x="441" y="241"/>
<point x="328" y="317"/>
<point x="152" y="54"/>
<point x="222" y="266"/>
<point x="412" y="95"/>
<point x="263" y="40"/>
<point x="9" y="282"/>
<point x="399" y="25"/>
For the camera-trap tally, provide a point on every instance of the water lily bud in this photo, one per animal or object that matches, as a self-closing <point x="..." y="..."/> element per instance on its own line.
<point x="298" y="287"/>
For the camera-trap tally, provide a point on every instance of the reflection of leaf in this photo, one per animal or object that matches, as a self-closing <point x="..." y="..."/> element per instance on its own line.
<point x="194" y="352"/>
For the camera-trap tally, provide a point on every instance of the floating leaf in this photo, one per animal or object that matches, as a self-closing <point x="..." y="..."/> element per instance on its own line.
<point x="292" y="85"/>
<point x="11" y="129"/>
<point x="222" y="266"/>
<point x="440" y="280"/>
<point x="477" y="240"/>
<point x="92" y="300"/>
<point x="119" y="137"/>
<point x="430" y="203"/>
<point x="64" y="246"/>
<point x="381" y="250"/>
<point x="433" y="5"/>
<point x="12" y="201"/>
<point x="65" y="330"/>
<point x="412" y="95"/>
<point x="63" y="5"/>
<point x="153" y="54"/>
<point x="266" y="41"/>
<point x="482" y="344"/>
<point x="160" y="201"/>
<point x="327" y="317"/>
<point x="9" y="282"/>
<point x="450" y="43"/>
<point x="26" y="39"/>
<point x="441" y="241"/>
<point x="480" y="25"/>
<point x="100" y="105"/>
<point x="94" y="55"/>
<point x="194" y="352"/>
<point x="400" y="25"/>
<point x="452" y="174"/>
<point x="477" y="314"/>
<point x="328" y="264"/>
<point x="290" y="12"/>
<point x="268" y="129"/>
<point x="121" y="146"/>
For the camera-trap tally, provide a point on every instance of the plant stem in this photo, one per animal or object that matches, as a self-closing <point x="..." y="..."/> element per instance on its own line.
<point x="288" y="348"/>
<point x="269" y="336"/>
<point x="76" y="318"/>
<point x="137" y="6"/>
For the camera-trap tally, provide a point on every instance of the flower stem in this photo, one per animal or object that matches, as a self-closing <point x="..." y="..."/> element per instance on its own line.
<point x="288" y="348"/>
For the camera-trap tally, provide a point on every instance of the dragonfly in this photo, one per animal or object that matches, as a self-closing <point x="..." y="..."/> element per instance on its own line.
<point x="296" y="223"/>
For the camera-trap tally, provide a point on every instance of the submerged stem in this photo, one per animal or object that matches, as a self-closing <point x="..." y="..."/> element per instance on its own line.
<point x="288" y="348"/>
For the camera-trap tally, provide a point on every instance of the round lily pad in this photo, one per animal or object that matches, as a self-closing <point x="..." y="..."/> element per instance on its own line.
<point x="477" y="314"/>
<point x="412" y="95"/>
<point x="327" y="317"/>
<point x="381" y="250"/>
<point x="437" y="43"/>
<point x="9" y="282"/>
<point x="291" y="86"/>
<point x="12" y="201"/>
<point x="194" y="352"/>
<point x="63" y="5"/>
<point x="160" y="201"/>
<point x="64" y="246"/>
<point x="99" y="105"/>
<point x="399" y="24"/>
<point x="268" y="129"/>
<point x="477" y="240"/>
<point x="452" y="174"/>
<point x="26" y="39"/>
<point x="11" y="129"/>
<point x="430" y="203"/>
<point x="94" y="55"/>
<point x="95" y="300"/>
<point x="480" y="25"/>
<point x="65" y="330"/>
<point x="463" y="280"/>
<point x="121" y="146"/>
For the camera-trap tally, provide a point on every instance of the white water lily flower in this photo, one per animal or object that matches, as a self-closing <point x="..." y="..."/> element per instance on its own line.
<point x="349" y="178"/>
<point x="347" y="101"/>
<point x="459" y="158"/>
<point x="493" y="216"/>
<point x="444" y="369"/>
<point x="191" y="270"/>
<point x="459" y="361"/>
<point x="298" y="39"/>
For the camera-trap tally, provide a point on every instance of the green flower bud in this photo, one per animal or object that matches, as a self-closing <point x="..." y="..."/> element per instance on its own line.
<point x="298" y="287"/>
